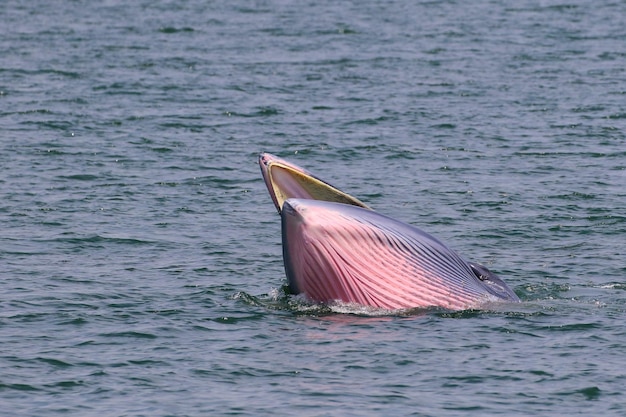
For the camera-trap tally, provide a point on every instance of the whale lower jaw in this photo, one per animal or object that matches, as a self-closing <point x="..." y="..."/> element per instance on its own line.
<point x="336" y="252"/>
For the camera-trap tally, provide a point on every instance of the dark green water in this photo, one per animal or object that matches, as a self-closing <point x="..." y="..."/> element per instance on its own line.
<point x="141" y="261"/>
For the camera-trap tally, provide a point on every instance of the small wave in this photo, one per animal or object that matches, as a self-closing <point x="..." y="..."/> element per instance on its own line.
<point x="281" y="299"/>
<point x="613" y="286"/>
<point x="103" y="239"/>
<point x="19" y="387"/>
<point x="129" y="334"/>
<point x="170" y="29"/>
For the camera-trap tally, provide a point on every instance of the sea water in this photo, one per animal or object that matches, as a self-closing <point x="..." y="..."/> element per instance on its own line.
<point x="141" y="254"/>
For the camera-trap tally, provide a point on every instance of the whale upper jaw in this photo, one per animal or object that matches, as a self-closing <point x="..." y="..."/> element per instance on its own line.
<point x="285" y="180"/>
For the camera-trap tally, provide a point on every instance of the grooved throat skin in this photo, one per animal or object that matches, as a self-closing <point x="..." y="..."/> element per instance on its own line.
<point x="337" y="252"/>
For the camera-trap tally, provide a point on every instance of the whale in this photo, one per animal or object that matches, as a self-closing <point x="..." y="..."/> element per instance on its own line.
<point x="336" y="249"/>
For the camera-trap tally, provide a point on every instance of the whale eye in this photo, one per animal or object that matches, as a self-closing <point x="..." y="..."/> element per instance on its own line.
<point x="492" y="282"/>
<point x="481" y="272"/>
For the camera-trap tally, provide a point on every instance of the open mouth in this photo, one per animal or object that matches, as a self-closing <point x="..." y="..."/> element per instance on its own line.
<point x="285" y="180"/>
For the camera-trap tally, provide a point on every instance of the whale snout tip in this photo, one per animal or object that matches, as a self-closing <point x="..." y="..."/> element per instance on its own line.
<point x="266" y="158"/>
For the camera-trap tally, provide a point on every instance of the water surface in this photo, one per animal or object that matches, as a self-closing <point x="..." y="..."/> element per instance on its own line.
<point x="142" y="271"/>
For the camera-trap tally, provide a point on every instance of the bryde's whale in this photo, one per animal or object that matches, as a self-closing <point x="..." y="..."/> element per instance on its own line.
<point x="335" y="248"/>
